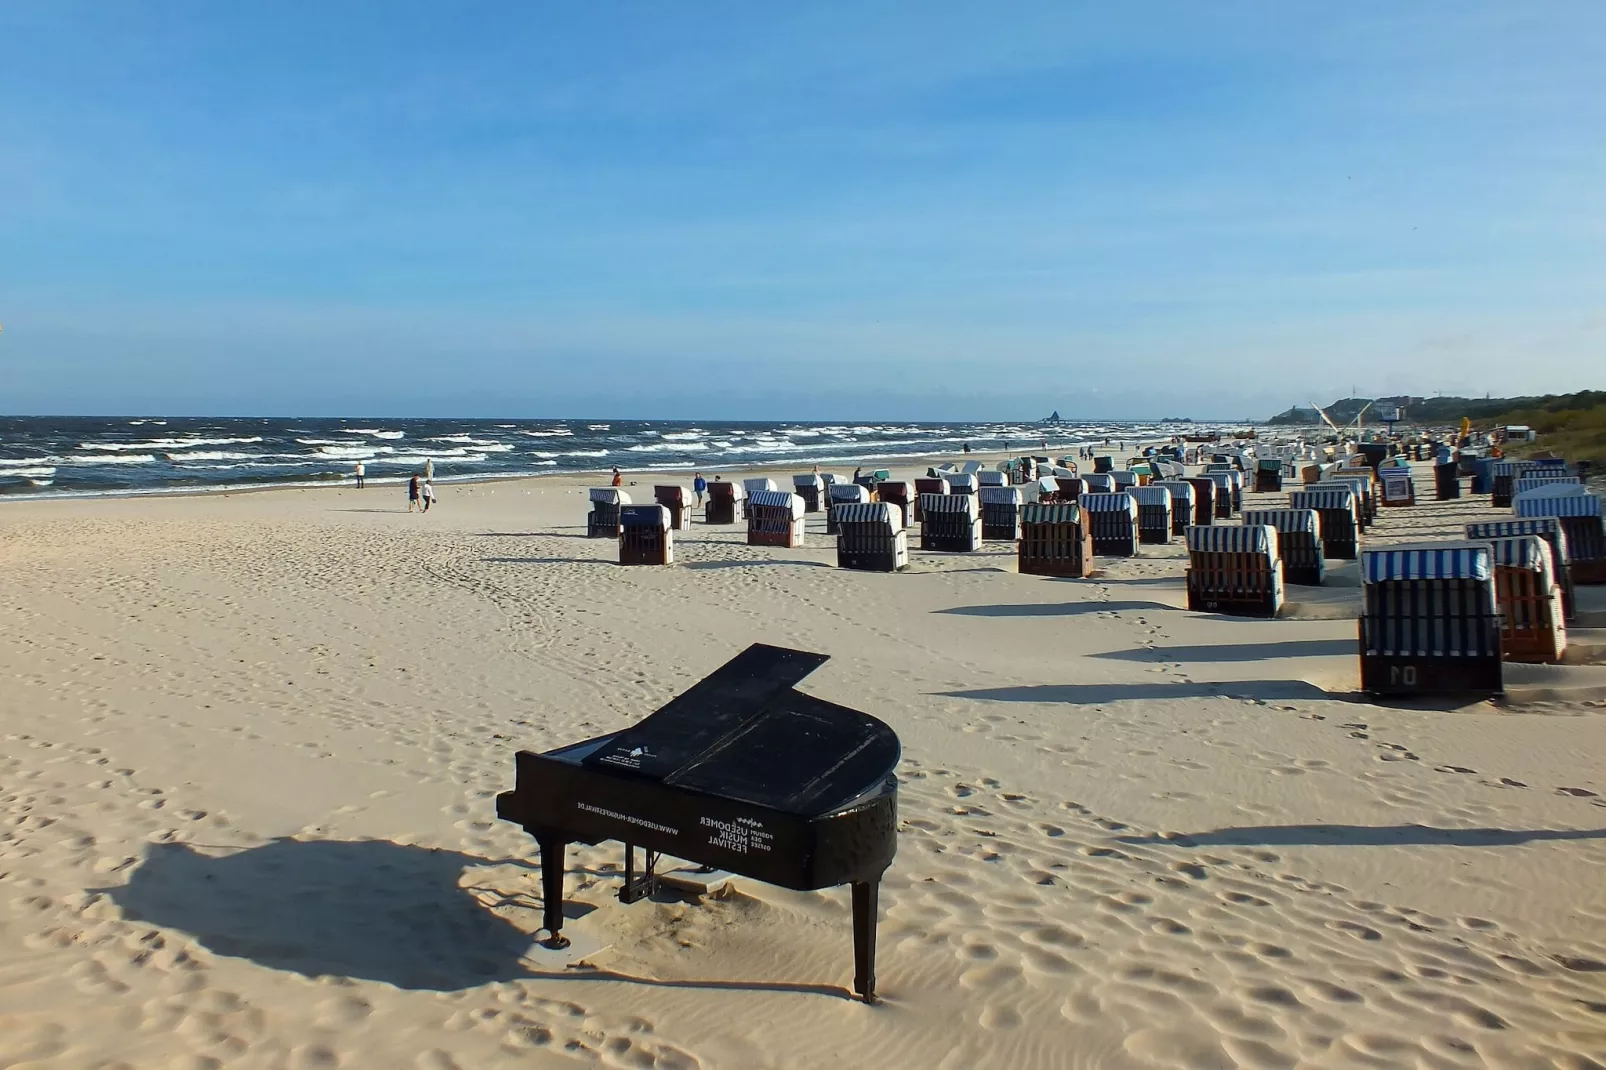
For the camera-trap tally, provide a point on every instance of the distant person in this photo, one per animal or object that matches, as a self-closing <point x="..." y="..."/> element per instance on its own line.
<point x="414" y="492"/>
<point x="618" y="480"/>
<point x="858" y="473"/>
<point x="699" y="487"/>
<point x="429" y="495"/>
<point x="429" y="469"/>
<point x="361" y="473"/>
<point x="967" y="447"/>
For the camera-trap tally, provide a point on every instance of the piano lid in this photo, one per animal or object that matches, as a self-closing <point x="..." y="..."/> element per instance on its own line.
<point x="744" y="733"/>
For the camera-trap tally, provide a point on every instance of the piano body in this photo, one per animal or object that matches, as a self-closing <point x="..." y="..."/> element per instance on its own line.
<point x="741" y="773"/>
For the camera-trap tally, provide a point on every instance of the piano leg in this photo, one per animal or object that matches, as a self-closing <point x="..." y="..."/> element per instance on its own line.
<point x="865" y="896"/>
<point x="552" y="850"/>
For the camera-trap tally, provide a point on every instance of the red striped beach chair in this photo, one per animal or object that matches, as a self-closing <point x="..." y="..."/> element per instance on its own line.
<point x="1054" y="541"/>
<point x="774" y="518"/>
<point x="1532" y="623"/>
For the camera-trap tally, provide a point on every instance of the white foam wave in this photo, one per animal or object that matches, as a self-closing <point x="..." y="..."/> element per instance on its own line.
<point x="39" y="472"/>
<point x="211" y="455"/>
<point x="660" y="447"/>
<point x="167" y="443"/>
<point x="97" y="460"/>
<point x="557" y="432"/>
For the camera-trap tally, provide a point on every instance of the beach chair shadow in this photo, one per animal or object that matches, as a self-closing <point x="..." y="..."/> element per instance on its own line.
<point x="1363" y="836"/>
<point x="1050" y="609"/>
<point x="1095" y="694"/>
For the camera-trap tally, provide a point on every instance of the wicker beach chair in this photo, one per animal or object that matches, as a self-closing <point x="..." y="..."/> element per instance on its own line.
<point x="603" y="520"/>
<point x="870" y="537"/>
<point x="923" y="487"/>
<point x="1000" y="513"/>
<point x="1154" y="513"/>
<point x="1054" y="541"/>
<point x="842" y="494"/>
<point x="1429" y="624"/>
<point x="1538" y="478"/>
<point x="1547" y="528"/>
<point x="899" y="495"/>
<point x="1069" y="489"/>
<point x="1360" y="489"/>
<point x="992" y="479"/>
<point x="1299" y="542"/>
<point x="1268" y="476"/>
<point x="724" y="503"/>
<point x="1340" y="518"/>
<point x="678" y="501"/>
<point x="811" y="488"/>
<point x="1533" y="622"/>
<point x="950" y="522"/>
<point x="1234" y="570"/>
<point x="645" y="535"/>
<point x="758" y="483"/>
<point x="1223" y="496"/>
<point x="1204" y="499"/>
<point x="1113" y="519"/>
<point x="1398" y="487"/>
<point x="1182" y="511"/>
<point x="774" y="518"/>
<point x="1098" y="483"/>
<point x="1124" y="479"/>
<point x="1103" y="463"/>
<point x="962" y="483"/>
<point x="1579" y="514"/>
<point x="1447" y="481"/>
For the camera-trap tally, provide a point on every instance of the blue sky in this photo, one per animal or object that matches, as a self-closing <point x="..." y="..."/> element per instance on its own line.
<point x="833" y="210"/>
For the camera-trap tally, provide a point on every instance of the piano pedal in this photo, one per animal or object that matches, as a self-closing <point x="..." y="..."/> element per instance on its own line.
<point x="638" y="888"/>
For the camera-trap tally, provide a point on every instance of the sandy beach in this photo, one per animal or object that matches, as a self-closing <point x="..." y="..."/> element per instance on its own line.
<point x="249" y="745"/>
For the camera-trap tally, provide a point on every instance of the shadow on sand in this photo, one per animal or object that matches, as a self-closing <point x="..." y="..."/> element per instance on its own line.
<point x="366" y="909"/>
<point x="1364" y="836"/>
<point x="1052" y="609"/>
<point x="1269" y="690"/>
<point x="1301" y="648"/>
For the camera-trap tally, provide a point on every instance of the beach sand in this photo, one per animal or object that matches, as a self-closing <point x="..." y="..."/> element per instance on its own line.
<point x="249" y="745"/>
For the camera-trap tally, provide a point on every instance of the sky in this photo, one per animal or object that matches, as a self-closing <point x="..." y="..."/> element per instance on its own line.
<point x="828" y="210"/>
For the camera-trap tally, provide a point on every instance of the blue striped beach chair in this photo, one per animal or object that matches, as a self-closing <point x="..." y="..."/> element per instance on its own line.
<point x="758" y="483"/>
<point x="1113" y="520"/>
<point x="603" y="520"/>
<point x="1054" y="541"/>
<point x="811" y="488"/>
<point x="1181" y="504"/>
<point x="1532" y="622"/>
<point x="1578" y="512"/>
<point x="1545" y="527"/>
<point x="1124" y="478"/>
<point x="962" y="483"/>
<point x="842" y="494"/>
<point x="1429" y="622"/>
<point x="1268" y="475"/>
<point x="1299" y="542"/>
<point x="992" y="479"/>
<point x="1361" y="489"/>
<point x="1223" y="494"/>
<point x="1234" y="570"/>
<point x="1098" y="483"/>
<point x="1537" y="478"/>
<point x="1154" y="513"/>
<point x="1000" y="513"/>
<point x="774" y="518"/>
<point x="950" y="522"/>
<point x="1340" y="518"/>
<point x="645" y="536"/>
<point x="870" y="537"/>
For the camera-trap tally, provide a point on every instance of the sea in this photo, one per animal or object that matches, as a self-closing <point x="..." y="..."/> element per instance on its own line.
<point x="92" y="456"/>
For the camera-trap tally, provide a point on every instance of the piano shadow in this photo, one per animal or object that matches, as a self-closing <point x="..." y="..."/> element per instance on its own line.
<point x="366" y="909"/>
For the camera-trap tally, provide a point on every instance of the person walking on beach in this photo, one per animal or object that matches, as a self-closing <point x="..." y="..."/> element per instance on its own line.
<point x="412" y="493"/>
<point x="429" y="469"/>
<point x="361" y="472"/>
<point x="699" y="487"/>
<point x="429" y="495"/>
<point x="618" y="480"/>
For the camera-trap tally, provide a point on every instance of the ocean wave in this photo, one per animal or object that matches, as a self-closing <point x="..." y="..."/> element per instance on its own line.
<point x="41" y="472"/>
<point x="559" y="432"/>
<point x="167" y="443"/>
<point x="211" y="455"/>
<point x="93" y="460"/>
<point x="662" y="447"/>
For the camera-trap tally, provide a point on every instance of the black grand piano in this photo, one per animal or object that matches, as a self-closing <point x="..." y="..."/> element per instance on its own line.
<point x="740" y="773"/>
